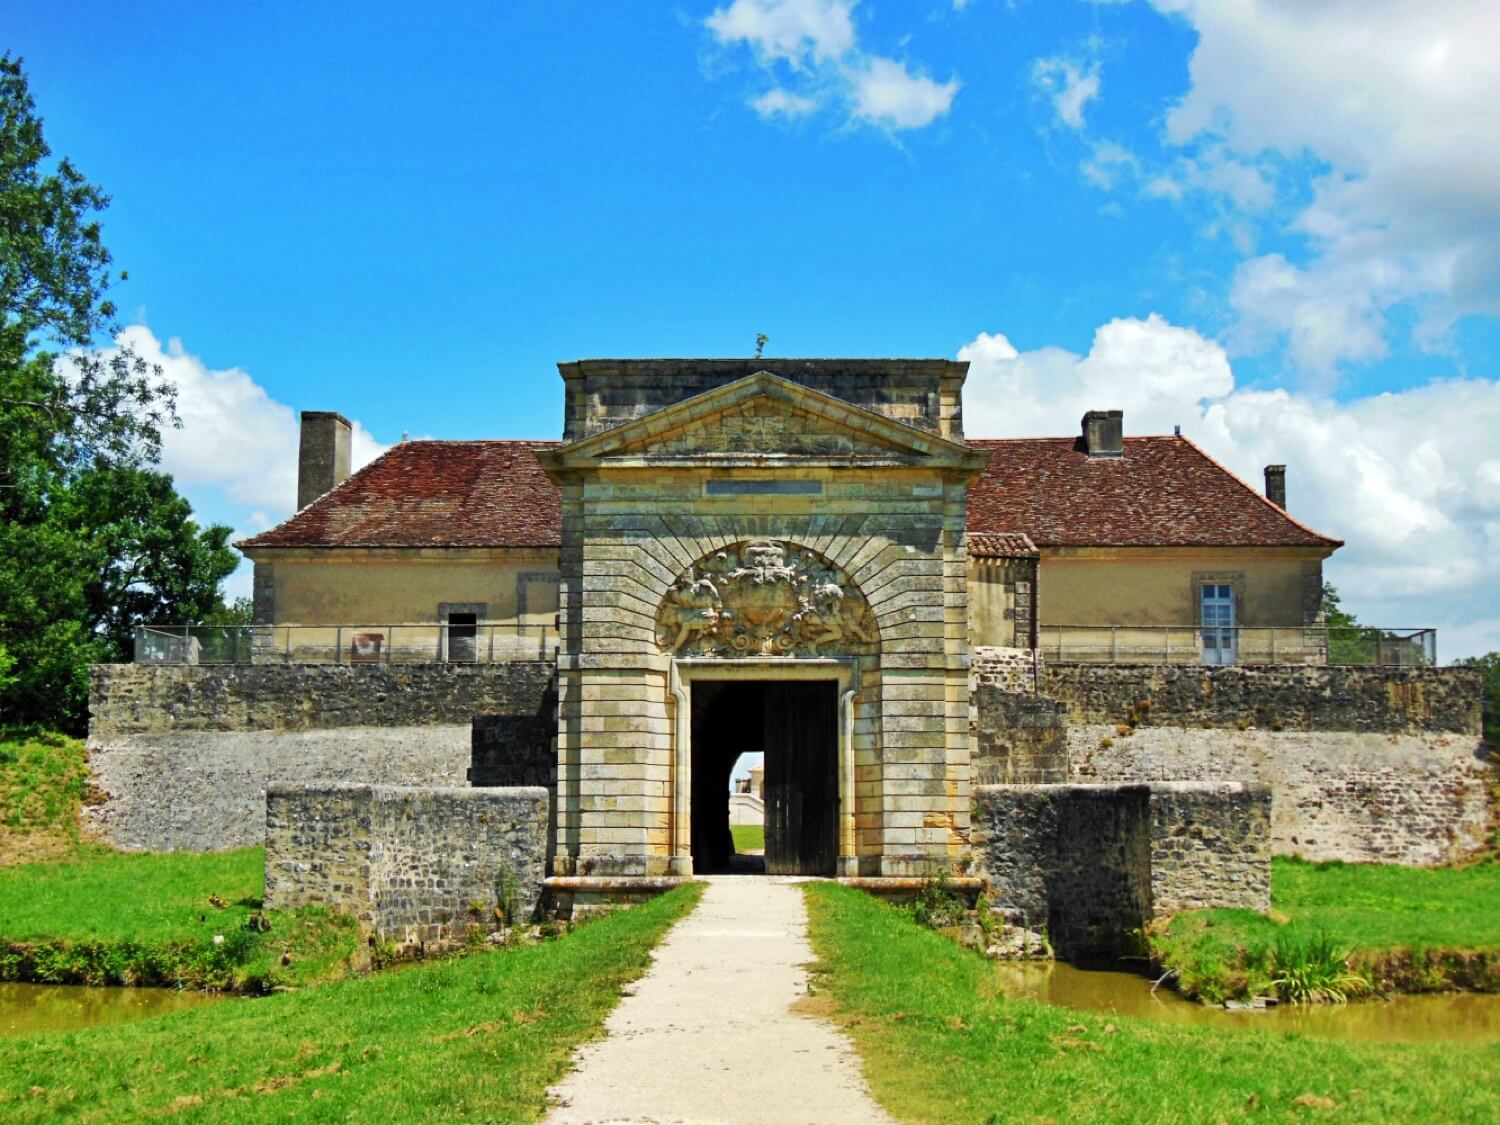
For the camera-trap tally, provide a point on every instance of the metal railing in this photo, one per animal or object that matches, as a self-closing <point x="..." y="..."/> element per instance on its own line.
<point x="1244" y="644"/>
<point x="423" y="643"/>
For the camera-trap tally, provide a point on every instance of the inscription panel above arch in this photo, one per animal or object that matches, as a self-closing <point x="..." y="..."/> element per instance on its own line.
<point x="765" y="597"/>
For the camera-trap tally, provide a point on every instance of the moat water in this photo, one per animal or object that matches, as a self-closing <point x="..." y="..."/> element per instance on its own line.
<point x="26" y="1009"/>
<point x="1429" y="1018"/>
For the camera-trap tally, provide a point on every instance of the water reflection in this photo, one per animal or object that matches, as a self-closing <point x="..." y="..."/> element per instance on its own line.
<point x="26" y="1009"/>
<point x="1439" y="1017"/>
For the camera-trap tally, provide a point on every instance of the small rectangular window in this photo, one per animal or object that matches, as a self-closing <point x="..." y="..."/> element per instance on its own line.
<point x="463" y="634"/>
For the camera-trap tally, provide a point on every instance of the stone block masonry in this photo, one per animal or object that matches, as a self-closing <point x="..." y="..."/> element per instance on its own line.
<point x="414" y="864"/>
<point x="1092" y="863"/>
<point x="1272" y="697"/>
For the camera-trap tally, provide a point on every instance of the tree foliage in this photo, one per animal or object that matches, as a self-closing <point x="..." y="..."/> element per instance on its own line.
<point x="93" y="540"/>
<point x="1489" y="672"/>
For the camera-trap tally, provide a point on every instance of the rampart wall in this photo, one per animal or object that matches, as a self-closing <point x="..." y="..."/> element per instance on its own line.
<point x="154" y="698"/>
<point x="1090" y="864"/>
<point x="1273" y="697"/>
<point x="184" y="755"/>
<point x="415" y="864"/>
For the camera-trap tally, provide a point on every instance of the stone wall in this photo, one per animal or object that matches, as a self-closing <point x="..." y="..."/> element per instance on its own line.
<point x="1210" y="846"/>
<point x="1073" y="860"/>
<point x="414" y="864"/>
<point x="1273" y="697"/>
<point x="141" y="698"/>
<point x="1092" y="863"/>
<point x="1009" y="669"/>
<point x="514" y="750"/>
<point x="184" y="754"/>
<point x="1358" y="797"/>
<point x="1019" y="739"/>
<point x="206" y="791"/>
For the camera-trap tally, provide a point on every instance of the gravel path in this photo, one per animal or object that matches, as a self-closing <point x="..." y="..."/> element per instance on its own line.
<point x="709" y="1035"/>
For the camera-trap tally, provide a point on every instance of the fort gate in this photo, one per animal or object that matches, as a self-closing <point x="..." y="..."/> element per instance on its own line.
<point x="763" y="555"/>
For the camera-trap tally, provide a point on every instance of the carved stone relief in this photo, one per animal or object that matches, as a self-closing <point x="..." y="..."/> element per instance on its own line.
<point x="765" y="598"/>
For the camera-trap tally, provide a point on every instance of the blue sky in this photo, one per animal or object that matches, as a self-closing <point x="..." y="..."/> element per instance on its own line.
<point x="1278" y="227"/>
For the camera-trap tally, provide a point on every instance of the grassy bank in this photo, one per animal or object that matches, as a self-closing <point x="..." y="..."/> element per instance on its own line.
<point x="1399" y="928"/>
<point x="477" y="1037"/>
<point x="178" y="919"/>
<point x="43" y="782"/>
<point x="940" y="1043"/>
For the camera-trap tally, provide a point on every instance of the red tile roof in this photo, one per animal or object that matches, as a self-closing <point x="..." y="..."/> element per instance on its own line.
<point x="1164" y="491"/>
<point x="1005" y="545"/>
<point x="433" y="494"/>
<point x="1047" y="492"/>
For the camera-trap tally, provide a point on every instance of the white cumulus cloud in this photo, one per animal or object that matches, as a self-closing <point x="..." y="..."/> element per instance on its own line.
<point x="1396" y="100"/>
<point x="812" y="49"/>
<point x="887" y="93"/>
<point x="235" y="438"/>
<point x="1410" y="479"/>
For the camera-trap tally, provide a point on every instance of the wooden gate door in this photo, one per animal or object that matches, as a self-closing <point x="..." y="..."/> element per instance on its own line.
<point x="801" y="779"/>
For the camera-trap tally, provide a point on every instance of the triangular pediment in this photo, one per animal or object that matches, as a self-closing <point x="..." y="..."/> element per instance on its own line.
<point x="762" y="416"/>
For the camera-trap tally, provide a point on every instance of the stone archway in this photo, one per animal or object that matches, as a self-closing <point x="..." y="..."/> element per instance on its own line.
<point x="797" y="633"/>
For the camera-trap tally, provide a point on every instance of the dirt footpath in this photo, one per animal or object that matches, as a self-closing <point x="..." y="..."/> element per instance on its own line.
<point x="709" y="1034"/>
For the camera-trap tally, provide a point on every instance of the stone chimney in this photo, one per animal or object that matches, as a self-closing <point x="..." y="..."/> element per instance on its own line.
<point x="1276" y="485"/>
<point x="323" y="460"/>
<point x="1104" y="433"/>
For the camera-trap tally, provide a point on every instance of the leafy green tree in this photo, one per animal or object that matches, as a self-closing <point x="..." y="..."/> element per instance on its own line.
<point x="1349" y="642"/>
<point x="1489" y="671"/>
<point x="92" y="539"/>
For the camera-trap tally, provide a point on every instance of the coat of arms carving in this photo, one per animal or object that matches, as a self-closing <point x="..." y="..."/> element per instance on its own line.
<point x="765" y="598"/>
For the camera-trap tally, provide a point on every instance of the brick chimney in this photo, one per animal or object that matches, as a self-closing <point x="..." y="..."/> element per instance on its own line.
<point x="323" y="459"/>
<point x="1104" y="433"/>
<point x="1276" y="485"/>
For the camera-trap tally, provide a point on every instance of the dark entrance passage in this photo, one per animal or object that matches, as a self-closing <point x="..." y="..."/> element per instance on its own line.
<point x="795" y="724"/>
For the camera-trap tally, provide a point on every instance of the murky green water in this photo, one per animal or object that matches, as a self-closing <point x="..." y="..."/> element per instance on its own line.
<point x="29" y="1008"/>
<point x="1439" y="1017"/>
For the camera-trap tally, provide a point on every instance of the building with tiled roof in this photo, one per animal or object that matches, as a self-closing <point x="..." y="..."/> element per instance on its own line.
<point x="1064" y="534"/>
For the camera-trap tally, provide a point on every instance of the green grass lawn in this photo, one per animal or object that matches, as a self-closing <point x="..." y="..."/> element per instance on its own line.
<point x="1399" y="923"/>
<point x="748" y="837"/>
<point x="474" y="1037"/>
<point x="940" y="1043"/>
<point x="121" y="918"/>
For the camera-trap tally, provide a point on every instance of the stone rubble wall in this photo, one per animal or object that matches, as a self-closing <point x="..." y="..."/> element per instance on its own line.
<point x="1071" y="860"/>
<point x="1416" y="799"/>
<point x="153" y="698"/>
<point x="414" y="864"/>
<point x="1018" y="738"/>
<point x="1089" y="864"/>
<point x="1210" y="846"/>
<point x="514" y="750"/>
<point x="206" y="791"/>
<point x="184" y="755"/>
<point x="1272" y="697"/>
<point x="1011" y="670"/>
